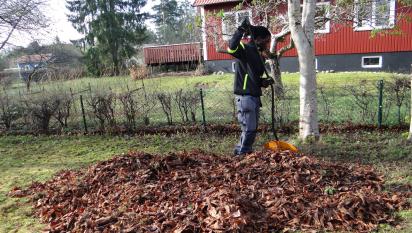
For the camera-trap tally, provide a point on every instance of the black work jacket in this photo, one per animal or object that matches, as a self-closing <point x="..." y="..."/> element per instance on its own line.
<point x="248" y="67"/>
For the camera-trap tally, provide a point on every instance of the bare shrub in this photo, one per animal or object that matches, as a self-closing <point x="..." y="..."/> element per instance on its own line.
<point x="7" y="78"/>
<point x="128" y="103"/>
<point x="364" y="98"/>
<point x="193" y="103"/>
<point x="139" y="72"/>
<point x="188" y="103"/>
<point x="102" y="104"/>
<point x="397" y="89"/>
<point x="166" y="103"/>
<point x="327" y="100"/>
<point x="200" y="70"/>
<point x="63" y="112"/>
<point x="146" y="103"/>
<point x="42" y="107"/>
<point x="10" y="110"/>
<point x="283" y="105"/>
<point x="65" y="73"/>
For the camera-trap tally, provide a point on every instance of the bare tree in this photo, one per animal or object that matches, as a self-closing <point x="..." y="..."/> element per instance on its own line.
<point x="24" y="16"/>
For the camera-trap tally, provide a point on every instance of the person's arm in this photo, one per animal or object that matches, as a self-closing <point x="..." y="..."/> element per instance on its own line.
<point x="236" y="47"/>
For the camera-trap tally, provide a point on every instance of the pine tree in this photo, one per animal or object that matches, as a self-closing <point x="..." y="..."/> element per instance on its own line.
<point x="174" y="22"/>
<point x="111" y="27"/>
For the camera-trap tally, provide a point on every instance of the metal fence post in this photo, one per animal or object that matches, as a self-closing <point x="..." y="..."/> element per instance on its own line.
<point x="83" y="114"/>
<point x="380" y="87"/>
<point x="203" y="107"/>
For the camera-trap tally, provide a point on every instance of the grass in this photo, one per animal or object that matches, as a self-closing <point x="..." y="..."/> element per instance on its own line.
<point x="24" y="159"/>
<point x="211" y="81"/>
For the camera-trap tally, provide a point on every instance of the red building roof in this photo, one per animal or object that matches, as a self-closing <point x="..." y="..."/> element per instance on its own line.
<point x="211" y="2"/>
<point x="34" y="58"/>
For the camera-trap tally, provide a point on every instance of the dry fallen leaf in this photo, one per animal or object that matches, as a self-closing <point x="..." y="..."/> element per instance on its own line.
<point x="198" y="192"/>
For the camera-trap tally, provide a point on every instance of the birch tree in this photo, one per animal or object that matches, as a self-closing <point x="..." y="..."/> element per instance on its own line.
<point x="302" y="27"/>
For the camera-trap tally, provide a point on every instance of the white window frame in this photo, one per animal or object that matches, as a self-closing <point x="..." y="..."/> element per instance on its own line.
<point x="236" y="13"/>
<point x="372" y="24"/>
<point x="372" y="66"/>
<point x="327" y="24"/>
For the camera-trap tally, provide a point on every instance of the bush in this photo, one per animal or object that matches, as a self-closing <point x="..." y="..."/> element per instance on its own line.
<point x="187" y="103"/>
<point x="128" y="102"/>
<point x="63" y="112"/>
<point x="10" y="110"/>
<point x="103" y="105"/>
<point x="398" y="90"/>
<point x="42" y="107"/>
<point x="166" y="102"/>
<point x="139" y="72"/>
<point x="65" y="73"/>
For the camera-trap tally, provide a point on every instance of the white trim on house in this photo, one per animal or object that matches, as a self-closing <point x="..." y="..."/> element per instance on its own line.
<point x="379" y="65"/>
<point x="327" y="24"/>
<point x="371" y="23"/>
<point x="227" y="35"/>
<point x="204" y="36"/>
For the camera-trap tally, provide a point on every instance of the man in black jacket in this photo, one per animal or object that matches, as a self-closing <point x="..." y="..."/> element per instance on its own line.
<point x="248" y="80"/>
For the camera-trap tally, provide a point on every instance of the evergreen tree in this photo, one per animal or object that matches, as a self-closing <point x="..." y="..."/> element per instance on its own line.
<point x="111" y="27"/>
<point x="174" y="22"/>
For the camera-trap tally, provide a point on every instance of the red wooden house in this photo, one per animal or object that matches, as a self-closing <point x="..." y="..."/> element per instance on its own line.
<point x="337" y="47"/>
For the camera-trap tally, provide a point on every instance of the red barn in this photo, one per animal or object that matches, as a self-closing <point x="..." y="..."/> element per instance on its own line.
<point x="337" y="47"/>
<point x="172" y="53"/>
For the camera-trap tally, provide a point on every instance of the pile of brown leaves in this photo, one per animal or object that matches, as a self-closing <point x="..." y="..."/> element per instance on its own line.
<point x="197" y="192"/>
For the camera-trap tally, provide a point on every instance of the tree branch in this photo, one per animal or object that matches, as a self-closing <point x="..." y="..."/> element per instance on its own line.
<point x="290" y="46"/>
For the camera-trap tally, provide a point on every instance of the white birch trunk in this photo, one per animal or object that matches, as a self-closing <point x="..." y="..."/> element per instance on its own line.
<point x="302" y="26"/>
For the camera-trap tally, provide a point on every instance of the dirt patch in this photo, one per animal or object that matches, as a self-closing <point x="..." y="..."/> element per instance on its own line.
<point x="199" y="192"/>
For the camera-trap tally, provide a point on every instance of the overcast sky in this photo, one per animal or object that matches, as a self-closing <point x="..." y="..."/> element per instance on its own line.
<point x="60" y="26"/>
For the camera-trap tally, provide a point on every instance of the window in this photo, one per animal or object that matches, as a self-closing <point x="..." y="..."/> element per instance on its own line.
<point x="231" y="20"/>
<point x="377" y="14"/>
<point x="322" y="22"/>
<point x="372" y="62"/>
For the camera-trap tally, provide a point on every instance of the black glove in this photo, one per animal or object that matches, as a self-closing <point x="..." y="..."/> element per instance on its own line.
<point x="245" y="26"/>
<point x="267" y="82"/>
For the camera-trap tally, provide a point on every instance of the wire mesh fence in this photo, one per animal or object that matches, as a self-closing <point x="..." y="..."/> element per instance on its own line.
<point x="107" y="109"/>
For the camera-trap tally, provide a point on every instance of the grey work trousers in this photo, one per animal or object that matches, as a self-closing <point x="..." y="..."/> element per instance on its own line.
<point x="248" y="108"/>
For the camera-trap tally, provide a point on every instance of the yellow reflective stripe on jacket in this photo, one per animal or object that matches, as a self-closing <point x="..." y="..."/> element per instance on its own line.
<point x="234" y="50"/>
<point x="231" y="50"/>
<point x="244" y="82"/>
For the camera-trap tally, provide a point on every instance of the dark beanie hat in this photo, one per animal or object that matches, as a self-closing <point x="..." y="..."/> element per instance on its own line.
<point x="260" y="32"/>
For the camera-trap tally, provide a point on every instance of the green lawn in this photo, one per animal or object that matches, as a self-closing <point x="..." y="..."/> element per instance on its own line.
<point x="24" y="159"/>
<point x="209" y="81"/>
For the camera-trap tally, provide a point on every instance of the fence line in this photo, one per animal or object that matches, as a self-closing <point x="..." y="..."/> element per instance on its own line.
<point x="366" y="102"/>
